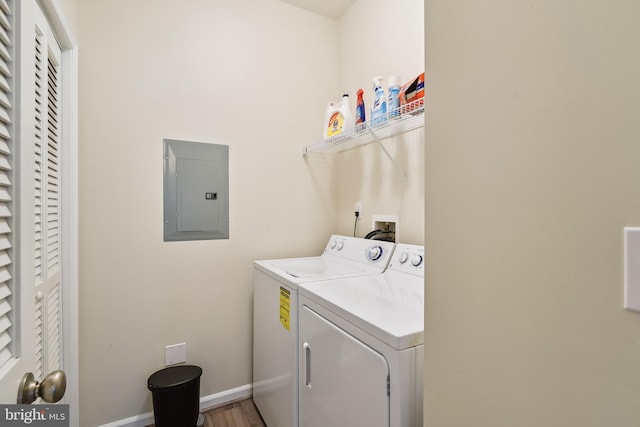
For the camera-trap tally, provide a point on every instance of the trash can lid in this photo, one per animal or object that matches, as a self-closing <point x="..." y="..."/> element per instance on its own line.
<point x="173" y="376"/>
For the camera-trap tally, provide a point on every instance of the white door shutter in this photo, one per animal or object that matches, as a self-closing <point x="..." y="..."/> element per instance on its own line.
<point x="31" y="303"/>
<point x="38" y="309"/>
<point x="6" y="190"/>
<point x="48" y="307"/>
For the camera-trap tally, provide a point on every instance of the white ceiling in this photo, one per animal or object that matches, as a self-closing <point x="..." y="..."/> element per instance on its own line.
<point x="330" y="8"/>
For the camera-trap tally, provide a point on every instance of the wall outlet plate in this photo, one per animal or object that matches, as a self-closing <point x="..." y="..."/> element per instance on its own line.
<point x="174" y="354"/>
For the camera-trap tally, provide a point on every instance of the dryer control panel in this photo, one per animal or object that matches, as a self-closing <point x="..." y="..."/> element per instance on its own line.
<point x="408" y="259"/>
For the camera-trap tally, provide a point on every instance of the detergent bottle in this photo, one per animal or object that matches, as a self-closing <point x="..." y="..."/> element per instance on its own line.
<point x="338" y="118"/>
<point x="347" y="113"/>
<point x="328" y="119"/>
<point x="379" y="107"/>
<point x="360" y="112"/>
<point x="393" y="105"/>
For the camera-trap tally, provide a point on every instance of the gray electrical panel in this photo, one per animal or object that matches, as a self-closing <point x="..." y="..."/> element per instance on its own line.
<point x="196" y="191"/>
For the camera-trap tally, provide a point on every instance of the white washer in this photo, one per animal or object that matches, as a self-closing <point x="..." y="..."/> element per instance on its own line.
<point x="275" y="316"/>
<point x="362" y="346"/>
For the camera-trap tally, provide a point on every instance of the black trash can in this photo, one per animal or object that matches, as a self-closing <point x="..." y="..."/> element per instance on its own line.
<point x="176" y="396"/>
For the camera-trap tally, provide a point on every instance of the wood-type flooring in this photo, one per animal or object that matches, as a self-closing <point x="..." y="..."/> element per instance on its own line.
<point x="242" y="413"/>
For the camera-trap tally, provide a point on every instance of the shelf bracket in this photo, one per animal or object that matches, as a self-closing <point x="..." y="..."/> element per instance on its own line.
<point x="379" y="141"/>
<point x="386" y="152"/>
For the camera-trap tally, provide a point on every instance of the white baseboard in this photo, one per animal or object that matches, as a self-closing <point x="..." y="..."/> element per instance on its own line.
<point x="238" y="393"/>
<point x="206" y="402"/>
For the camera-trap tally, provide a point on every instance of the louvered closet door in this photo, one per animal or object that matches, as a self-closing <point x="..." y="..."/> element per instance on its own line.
<point x="31" y="337"/>
<point x="7" y="148"/>
<point x="47" y="139"/>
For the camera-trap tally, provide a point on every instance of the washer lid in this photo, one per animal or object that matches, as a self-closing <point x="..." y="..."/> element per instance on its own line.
<point x="389" y="306"/>
<point x="312" y="267"/>
<point x="293" y="271"/>
<point x="343" y="256"/>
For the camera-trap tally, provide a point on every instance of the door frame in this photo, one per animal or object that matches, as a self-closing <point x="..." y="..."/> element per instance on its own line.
<point x="53" y="11"/>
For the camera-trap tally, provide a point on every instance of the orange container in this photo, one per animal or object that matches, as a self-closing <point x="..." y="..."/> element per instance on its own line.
<point x="412" y="95"/>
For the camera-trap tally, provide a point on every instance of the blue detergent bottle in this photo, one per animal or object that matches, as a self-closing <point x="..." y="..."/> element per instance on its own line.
<point x="393" y="105"/>
<point x="379" y="106"/>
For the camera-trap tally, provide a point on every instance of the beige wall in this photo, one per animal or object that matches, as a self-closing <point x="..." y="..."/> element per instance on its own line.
<point x="531" y="174"/>
<point x="223" y="71"/>
<point x="369" y="46"/>
<point x="70" y="8"/>
<point x="255" y="75"/>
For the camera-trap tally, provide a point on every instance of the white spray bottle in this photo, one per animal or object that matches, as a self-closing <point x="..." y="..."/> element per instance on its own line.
<point x="379" y="106"/>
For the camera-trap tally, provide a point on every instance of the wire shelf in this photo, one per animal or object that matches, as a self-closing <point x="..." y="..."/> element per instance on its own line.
<point x="404" y="119"/>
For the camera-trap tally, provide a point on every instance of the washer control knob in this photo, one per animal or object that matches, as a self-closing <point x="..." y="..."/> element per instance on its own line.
<point x="416" y="260"/>
<point x="374" y="253"/>
<point x="332" y="245"/>
<point x="340" y="244"/>
<point x="403" y="257"/>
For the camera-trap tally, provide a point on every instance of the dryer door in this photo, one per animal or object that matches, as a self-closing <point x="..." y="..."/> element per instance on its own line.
<point x="343" y="382"/>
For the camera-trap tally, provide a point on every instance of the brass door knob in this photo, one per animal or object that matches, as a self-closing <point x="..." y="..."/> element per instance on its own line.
<point x="51" y="389"/>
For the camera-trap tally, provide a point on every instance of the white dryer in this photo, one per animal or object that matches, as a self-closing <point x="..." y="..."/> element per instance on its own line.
<point x="275" y="316"/>
<point x="362" y="347"/>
